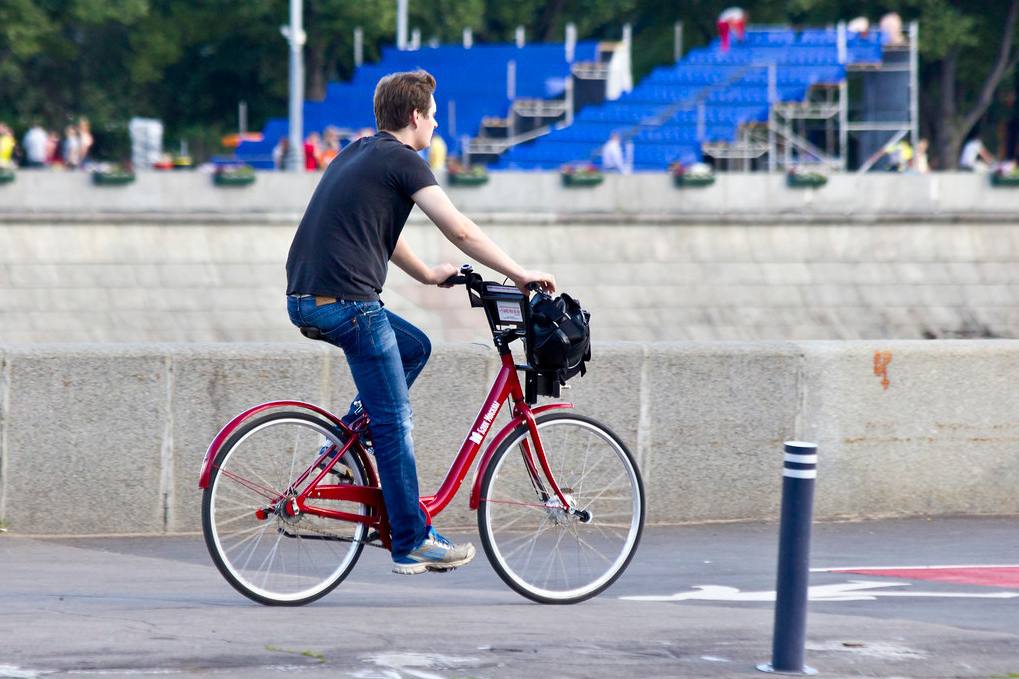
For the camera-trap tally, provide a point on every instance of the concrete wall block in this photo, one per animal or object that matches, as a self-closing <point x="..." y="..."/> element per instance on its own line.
<point x="706" y="421"/>
<point x="889" y="440"/>
<point x="96" y="414"/>
<point x="203" y="275"/>
<point x="936" y="295"/>
<point x="721" y="244"/>
<point x="988" y="295"/>
<point x="993" y="242"/>
<point x="247" y="275"/>
<point x="34" y="276"/>
<point x="718" y="414"/>
<point x="71" y="275"/>
<point x="998" y="272"/>
<point x="213" y="383"/>
<point x="786" y="273"/>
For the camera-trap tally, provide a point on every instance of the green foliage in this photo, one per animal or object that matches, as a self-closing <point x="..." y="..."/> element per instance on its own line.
<point x="189" y="62"/>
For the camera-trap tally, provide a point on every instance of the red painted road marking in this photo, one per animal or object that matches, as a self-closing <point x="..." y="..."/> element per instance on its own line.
<point x="988" y="576"/>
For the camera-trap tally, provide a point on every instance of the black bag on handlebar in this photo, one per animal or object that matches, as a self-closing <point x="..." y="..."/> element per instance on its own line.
<point x="558" y="336"/>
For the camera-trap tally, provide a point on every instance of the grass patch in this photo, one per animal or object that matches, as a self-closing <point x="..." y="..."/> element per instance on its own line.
<point x="306" y="653"/>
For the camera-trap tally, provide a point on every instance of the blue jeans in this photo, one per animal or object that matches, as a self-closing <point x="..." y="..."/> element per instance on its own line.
<point x="385" y="354"/>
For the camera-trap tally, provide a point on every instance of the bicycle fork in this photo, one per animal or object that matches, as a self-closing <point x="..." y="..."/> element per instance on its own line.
<point x="560" y="494"/>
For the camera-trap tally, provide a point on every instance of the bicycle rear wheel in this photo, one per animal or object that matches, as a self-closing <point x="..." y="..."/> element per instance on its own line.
<point x="537" y="547"/>
<point x="264" y="552"/>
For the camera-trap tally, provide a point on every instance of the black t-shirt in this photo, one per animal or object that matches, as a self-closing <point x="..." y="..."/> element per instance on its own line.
<point x="349" y="231"/>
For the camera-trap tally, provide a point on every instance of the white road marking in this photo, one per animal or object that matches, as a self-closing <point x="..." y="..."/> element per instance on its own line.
<point x="416" y="665"/>
<point x="856" y="590"/>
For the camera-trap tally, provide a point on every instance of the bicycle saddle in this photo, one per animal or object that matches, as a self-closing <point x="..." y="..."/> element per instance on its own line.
<point x="312" y="333"/>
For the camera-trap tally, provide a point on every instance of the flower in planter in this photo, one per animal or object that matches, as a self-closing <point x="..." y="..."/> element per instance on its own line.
<point x="112" y="173"/>
<point x="234" y="175"/>
<point x="800" y="176"/>
<point x="698" y="174"/>
<point x="580" y="174"/>
<point x="466" y="174"/>
<point x="580" y="170"/>
<point x="1006" y="174"/>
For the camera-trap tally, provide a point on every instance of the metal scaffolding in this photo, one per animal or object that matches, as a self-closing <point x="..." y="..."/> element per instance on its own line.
<point x="828" y="128"/>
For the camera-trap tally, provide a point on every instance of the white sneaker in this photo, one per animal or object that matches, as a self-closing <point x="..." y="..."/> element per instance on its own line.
<point x="436" y="553"/>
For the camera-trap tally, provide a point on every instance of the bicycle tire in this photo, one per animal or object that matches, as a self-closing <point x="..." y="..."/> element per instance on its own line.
<point x="510" y="501"/>
<point x="253" y="451"/>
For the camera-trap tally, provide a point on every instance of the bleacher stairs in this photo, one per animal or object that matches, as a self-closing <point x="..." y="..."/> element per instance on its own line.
<point x="704" y="98"/>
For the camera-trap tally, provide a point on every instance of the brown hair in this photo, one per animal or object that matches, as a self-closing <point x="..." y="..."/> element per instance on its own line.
<point x="399" y="94"/>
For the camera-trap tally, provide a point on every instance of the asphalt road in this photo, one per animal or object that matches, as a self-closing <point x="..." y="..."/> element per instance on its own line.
<point x="135" y="606"/>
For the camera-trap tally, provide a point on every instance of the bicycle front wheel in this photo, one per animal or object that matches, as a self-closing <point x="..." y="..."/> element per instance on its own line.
<point x="540" y="549"/>
<point x="265" y="551"/>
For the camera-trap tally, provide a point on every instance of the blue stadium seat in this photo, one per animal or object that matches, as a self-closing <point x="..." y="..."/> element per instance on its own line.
<point x="474" y="79"/>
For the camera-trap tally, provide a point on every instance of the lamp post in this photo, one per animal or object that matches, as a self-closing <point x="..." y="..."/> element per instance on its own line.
<point x="294" y="33"/>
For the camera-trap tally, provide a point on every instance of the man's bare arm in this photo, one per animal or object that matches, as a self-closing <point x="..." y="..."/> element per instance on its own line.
<point x="405" y="258"/>
<point x="466" y="235"/>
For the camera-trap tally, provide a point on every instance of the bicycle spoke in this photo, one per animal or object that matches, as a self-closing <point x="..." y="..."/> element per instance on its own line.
<point x="559" y="557"/>
<point x="288" y="567"/>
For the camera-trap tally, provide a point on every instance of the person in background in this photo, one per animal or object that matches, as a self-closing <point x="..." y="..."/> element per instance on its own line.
<point x="85" y="139"/>
<point x="891" y="30"/>
<point x="975" y="157"/>
<point x="312" y="152"/>
<point x="7" y="145"/>
<point x="437" y="155"/>
<point x="612" y="155"/>
<point x="920" y="164"/>
<point x="732" y="21"/>
<point x="35" y="145"/>
<point x="859" y="26"/>
<point x="900" y="156"/>
<point x="280" y="153"/>
<point x="54" y="152"/>
<point x="71" y="150"/>
<point x="330" y="146"/>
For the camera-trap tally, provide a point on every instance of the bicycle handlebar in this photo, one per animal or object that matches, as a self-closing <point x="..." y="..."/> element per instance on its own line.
<point x="467" y="274"/>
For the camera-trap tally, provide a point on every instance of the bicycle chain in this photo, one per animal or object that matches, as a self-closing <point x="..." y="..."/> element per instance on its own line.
<point x="369" y="542"/>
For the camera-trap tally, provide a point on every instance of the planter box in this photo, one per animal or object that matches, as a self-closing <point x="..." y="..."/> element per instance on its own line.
<point x="467" y="179"/>
<point x="112" y="178"/>
<point x="582" y="180"/>
<point x="7" y="176"/>
<point x="1004" y="180"/>
<point x="808" y="182"/>
<point x="683" y="181"/>
<point x="233" y="179"/>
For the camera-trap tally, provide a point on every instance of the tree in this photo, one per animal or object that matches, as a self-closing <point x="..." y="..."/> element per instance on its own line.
<point x="962" y="103"/>
<point x="966" y="49"/>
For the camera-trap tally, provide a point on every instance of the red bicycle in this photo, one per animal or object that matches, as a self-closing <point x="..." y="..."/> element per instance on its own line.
<point x="291" y="497"/>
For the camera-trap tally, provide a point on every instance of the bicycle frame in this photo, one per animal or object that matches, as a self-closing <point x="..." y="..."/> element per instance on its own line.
<point x="507" y="386"/>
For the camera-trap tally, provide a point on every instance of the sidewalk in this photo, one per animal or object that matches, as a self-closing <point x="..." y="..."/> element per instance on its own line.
<point x="115" y="606"/>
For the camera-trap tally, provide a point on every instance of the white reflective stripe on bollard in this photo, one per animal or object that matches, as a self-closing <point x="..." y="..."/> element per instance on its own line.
<point x="800" y="473"/>
<point x="800" y="459"/>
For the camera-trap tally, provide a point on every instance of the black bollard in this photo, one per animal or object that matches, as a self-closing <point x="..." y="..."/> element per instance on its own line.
<point x="789" y="636"/>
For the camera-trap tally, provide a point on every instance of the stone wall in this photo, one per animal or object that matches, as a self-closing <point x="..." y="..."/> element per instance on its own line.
<point x="99" y="439"/>
<point x="134" y="280"/>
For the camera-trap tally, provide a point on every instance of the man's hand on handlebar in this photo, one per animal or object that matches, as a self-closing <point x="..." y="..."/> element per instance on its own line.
<point x="536" y="280"/>
<point x="441" y="274"/>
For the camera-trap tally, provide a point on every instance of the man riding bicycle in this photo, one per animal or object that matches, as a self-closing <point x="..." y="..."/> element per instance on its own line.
<point x="336" y="269"/>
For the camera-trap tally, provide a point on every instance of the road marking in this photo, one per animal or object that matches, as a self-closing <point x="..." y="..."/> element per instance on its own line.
<point x="857" y="590"/>
<point x="417" y="665"/>
<point x="1005" y="576"/>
